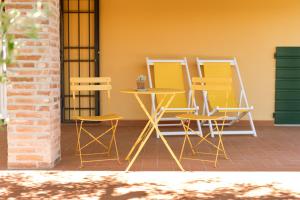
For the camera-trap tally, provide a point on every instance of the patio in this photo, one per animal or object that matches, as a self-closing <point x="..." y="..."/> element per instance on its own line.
<point x="88" y="50"/>
<point x="272" y="150"/>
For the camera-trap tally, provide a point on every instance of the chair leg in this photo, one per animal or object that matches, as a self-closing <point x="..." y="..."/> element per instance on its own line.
<point x="224" y="151"/>
<point x="222" y="146"/>
<point x="112" y="137"/>
<point x="220" y="143"/>
<point x="218" y="149"/>
<point x="115" y="141"/>
<point x="78" y="143"/>
<point x="186" y="138"/>
<point x="183" y="144"/>
<point x="191" y="145"/>
<point x="187" y="128"/>
<point x="77" y="133"/>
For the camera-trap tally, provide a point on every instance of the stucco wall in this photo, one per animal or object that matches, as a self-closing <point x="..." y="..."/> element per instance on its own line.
<point x="247" y="29"/>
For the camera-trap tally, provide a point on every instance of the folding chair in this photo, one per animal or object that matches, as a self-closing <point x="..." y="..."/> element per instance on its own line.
<point x="214" y="101"/>
<point x="94" y="84"/>
<point x="170" y="74"/>
<point x="206" y="85"/>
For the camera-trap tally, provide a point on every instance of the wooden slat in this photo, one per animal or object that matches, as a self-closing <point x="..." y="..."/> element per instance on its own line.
<point x="90" y="87"/>
<point x="288" y="84"/>
<point x="287" y="105"/>
<point x="211" y="87"/>
<point x="287" y="95"/>
<point x="286" y="117"/>
<point x="288" y="73"/>
<point x="211" y="80"/>
<point x="90" y="80"/>
<point x="288" y="62"/>
<point x="287" y="52"/>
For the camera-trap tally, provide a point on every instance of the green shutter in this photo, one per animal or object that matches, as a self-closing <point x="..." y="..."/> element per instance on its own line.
<point x="287" y="97"/>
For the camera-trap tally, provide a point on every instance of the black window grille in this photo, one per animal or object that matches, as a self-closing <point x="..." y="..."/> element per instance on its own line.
<point x="79" y="55"/>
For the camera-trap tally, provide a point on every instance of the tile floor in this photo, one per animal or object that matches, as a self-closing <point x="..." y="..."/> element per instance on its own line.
<point x="275" y="149"/>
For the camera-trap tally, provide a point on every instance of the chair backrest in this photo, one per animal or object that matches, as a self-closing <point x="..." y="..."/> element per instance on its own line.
<point x="219" y="69"/>
<point x="209" y="85"/>
<point x="78" y="84"/>
<point x="170" y="74"/>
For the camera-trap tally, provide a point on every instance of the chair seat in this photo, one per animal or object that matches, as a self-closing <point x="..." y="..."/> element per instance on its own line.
<point x="107" y="117"/>
<point x="199" y="117"/>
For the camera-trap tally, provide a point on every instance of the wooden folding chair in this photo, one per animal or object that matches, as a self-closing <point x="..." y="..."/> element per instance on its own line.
<point x="206" y="85"/>
<point x="94" y="84"/>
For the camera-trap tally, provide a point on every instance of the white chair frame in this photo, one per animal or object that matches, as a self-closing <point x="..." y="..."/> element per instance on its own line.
<point x="243" y="101"/>
<point x="192" y="106"/>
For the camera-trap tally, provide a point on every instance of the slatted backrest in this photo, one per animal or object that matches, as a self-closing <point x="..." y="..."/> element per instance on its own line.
<point x="221" y="85"/>
<point x="90" y="84"/>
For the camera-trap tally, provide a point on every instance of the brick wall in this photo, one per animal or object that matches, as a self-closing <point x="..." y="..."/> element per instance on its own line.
<point x="34" y="95"/>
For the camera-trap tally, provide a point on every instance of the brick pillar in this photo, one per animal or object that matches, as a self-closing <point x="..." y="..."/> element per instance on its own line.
<point x="34" y="95"/>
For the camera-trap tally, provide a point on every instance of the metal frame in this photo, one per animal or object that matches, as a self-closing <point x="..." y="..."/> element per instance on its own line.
<point x="243" y="101"/>
<point x="203" y="139"/>
<point x="191" y="102"/>
<point x="94" y="84"/>
<point x="67" y="97"/>
<point x="153" y="120"/>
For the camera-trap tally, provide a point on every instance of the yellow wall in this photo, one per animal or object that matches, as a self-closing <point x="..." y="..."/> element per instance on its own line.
<point x="247" y="29"/>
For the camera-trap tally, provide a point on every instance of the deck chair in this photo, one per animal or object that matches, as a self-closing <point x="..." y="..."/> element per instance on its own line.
<point x="214" y="102"/>
<point x="94" y="84"/>
<point x="172" y="74"/>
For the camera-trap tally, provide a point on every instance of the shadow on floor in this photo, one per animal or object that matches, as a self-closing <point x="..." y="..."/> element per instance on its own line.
<point x="63" y="185"/>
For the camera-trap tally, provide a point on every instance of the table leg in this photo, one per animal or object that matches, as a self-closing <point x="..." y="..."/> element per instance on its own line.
<point x="155" y="125"/>
<point x="139" y="149"/>
<point x="138" y="141"/>
<point x="146" y="128"/>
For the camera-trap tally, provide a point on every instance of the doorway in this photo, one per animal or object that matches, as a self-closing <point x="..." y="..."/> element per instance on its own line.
<point x="79" y="55"/>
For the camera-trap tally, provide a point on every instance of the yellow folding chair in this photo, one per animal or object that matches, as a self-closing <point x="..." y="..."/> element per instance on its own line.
<point x="237" y="105"/>
<point x="206" y="85"/>
<point x="94" y="84"/>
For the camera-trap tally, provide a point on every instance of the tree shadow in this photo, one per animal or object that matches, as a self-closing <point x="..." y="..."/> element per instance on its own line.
<point x="113" y="187"/>
<point x="103" y="189"/>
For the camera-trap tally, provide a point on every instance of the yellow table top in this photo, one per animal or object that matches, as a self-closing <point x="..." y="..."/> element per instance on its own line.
<point x="154" y="91"/>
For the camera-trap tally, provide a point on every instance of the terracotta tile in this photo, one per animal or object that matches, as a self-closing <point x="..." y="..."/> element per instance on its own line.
<point x="275" y="149"/>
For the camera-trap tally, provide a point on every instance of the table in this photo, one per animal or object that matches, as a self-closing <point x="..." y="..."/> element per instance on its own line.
<point x="154" y="118"/>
